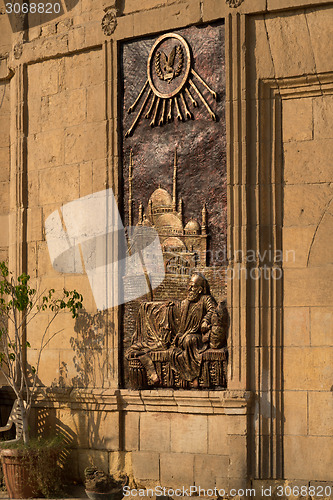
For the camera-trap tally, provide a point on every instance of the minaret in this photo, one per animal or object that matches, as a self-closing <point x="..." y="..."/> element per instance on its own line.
<point x="204" y="219"/>
<point x="174" y="192"/>
<point x="180" y="209"/>
<point x="140" y="214"/>
<point x="130" y="185"/>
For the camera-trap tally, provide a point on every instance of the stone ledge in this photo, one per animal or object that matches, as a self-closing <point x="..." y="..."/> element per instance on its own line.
<point x="182" y="401"/>
<point x="162" y="400"/>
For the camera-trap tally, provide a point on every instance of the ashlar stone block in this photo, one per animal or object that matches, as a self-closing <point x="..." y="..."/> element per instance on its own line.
<point x="145" y="465"/>
<point x="296" y="326"/>
<point x="297" y="123"/>
<point x="295" y="412"/>
<point x="320" y="413"/>
<point x="189" y="433"/>
<point x="307" y="457"/>
<point x="323" y="117"/>
<point x="207" y="467"/>
<point x="177" y="469"/>
<point x="321" y="326"/>
<point x="312" y="155"/>
<point x="155" y="431"/>
<point x="308" y="368"/>
<point x="320" y="22"/>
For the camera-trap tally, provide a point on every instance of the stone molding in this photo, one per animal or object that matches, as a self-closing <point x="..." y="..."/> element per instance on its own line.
<point x="167" y="400"/>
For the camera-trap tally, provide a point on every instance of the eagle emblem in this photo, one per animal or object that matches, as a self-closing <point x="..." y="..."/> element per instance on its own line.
<point x="169" y="67"/>
<point x="162" y="103"/>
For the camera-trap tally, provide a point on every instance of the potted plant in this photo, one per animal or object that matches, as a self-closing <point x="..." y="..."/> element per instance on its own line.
<point x="102" y="486"/>
<point x="19" y="304"/>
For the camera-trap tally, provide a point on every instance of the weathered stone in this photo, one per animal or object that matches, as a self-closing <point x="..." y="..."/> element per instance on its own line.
<point x="4" y="131"/>
<point x="96" y="103"/>
<point x="76" y="424"/>
<point x="307" y="368"/>
<point x="155" y="431"/>
<point x="80" y="70"/>
<point x="321" y="39"/>
<point x="297" y="124"/>
<point x="321" y="326"/>
<point x="45" y="150"/>
<point x="320" y="253"/>
<point x="132" y="430"/>
<point x="207" y="467"/>
<point x="177" y="469"/>
<point x="4" y="198"/>
<point x="320" y="413"/>
<point x="145" y="465"/>
<point x="323" y="117"/>
<point x="170" y="15"/>
<point x="307" y="456"/>
<point x="59" y="185"/>
<point x="4" y="233"/>
<point x="297" y="326"/>
<point x="308" y="287"/>
<point x="305" y="204"/>
<point x="295" y="411"/>
<point x="237" y="456"/>
<point x="289" y="35"/>
<point x="189" y="433"/>
<point x="85" y="142"/>
<point x="103" y="430"/>
<point x="48" y="373"/>
<point x="312" y="157"/>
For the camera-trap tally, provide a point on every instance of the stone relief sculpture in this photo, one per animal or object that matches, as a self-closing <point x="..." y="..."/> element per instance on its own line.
<point x="176" y="335"/>
<point x="181" y="343"/>
<point x="170" y="76"/>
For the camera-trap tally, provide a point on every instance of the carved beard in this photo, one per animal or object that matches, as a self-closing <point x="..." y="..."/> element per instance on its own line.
<point x="194" y="295"/>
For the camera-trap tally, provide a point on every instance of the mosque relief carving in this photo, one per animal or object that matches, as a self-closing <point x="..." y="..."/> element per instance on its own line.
<point x="174" y="182"/>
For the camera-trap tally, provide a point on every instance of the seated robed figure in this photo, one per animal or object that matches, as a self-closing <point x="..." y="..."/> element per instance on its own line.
<point x="185" y="329"/>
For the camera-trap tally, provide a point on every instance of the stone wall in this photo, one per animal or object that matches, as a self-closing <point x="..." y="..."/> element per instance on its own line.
<point x="275" y="419"/>
<point x="305" y="121"/>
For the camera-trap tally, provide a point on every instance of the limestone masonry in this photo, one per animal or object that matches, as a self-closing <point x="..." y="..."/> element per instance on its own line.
<point x="239" y="188"/>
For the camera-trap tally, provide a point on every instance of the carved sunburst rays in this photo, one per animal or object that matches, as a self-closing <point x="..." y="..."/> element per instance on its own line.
<point x="177" y="94"/>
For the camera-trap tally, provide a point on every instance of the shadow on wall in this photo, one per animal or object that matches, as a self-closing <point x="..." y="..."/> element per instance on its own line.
<point x="90" y="364"/>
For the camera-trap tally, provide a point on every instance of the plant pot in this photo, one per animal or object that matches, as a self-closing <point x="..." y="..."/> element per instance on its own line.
<point x="115" y="494"/>
<point x="16" y="475"/>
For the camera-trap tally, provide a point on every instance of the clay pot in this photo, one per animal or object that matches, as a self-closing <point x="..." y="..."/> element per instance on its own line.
<point x="16" y="475"/>
<point x="115" y="494"/>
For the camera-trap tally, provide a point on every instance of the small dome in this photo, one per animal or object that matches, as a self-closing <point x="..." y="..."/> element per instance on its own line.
<point x="173" y="243"/>
<point x="169" y="220"/>
<point x="192" y="226"/>
<point x="161" y="198"/>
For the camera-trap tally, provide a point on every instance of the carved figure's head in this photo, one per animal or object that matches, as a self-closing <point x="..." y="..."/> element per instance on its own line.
<point x="197" y="286"/>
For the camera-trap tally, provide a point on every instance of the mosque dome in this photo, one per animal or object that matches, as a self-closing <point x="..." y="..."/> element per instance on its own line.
<point x="173" y="244"/>
<point x="192" y="227"/>
<point x="169" y="220"/>
<point x="161" y="198"/>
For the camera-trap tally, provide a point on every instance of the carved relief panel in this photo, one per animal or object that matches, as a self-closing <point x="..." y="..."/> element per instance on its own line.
<point x="174" y="183"/>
